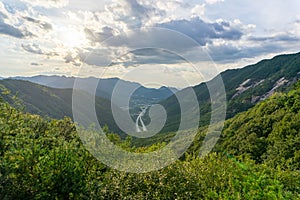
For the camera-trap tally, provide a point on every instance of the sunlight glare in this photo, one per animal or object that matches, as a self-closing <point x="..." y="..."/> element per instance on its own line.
<point x="71" y="38"/>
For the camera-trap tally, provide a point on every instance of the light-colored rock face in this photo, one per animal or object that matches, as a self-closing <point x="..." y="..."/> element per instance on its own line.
<point x="243" y="87"/>
<point x="277" y="85"/>
<point x="248" y="84"/>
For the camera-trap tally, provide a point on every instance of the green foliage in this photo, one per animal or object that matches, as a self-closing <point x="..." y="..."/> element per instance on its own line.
<point x="39" y="159"/>
<point x="214" y="177"/>
<point x="50" y="102"/>
<point x="267" y="71"/>
<point x="268" y="133"/>
<point x="45" y="159"/>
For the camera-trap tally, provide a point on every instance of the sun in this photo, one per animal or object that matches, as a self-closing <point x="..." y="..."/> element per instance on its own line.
<point x="72" y="38"/>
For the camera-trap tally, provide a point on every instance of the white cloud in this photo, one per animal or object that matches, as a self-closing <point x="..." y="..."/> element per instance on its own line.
<point x="213" y="1"/>
<point x="198" y="10"/>
<point x="32" y="48"/>
<point x="48" y="3"/>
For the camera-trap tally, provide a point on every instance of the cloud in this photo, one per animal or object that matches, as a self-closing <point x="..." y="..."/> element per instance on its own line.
<point x="213" y="1"/>
<point x="98" y="37"/>
<point x="202" y="31"/>
<point x="148" y="56"/>
<point x="276" y="38"/>
<point x="230" y="53"/>
<point x="90" y="56"/>
<point x="73" y="59"/>
<point x="95" y="57"/>
<point x="48" y="3"/>
<point x="142" y="46"/>
<point x="35" y="64"/>
<point x="147" y="46"/>
<point x="140" y="13"/>
<point x="36" y="49"/>
<point x="132" y="43"/>
<point x="41" y="24"/>
<point x="251" y="47"/>
<point x="132" y="13"/>
<point x="160" y="38"/>
<point x="32" y="48"/>
<point x="10" y="23"/>
<point x="126" y="57"/>
<point x="136" y="9"/>
<point x="10" y="30"/>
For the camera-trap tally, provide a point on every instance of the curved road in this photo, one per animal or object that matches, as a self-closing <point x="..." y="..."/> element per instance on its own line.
<point x="139" y="118"/>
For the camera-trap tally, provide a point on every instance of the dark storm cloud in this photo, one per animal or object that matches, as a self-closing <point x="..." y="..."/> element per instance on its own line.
<point x="202" y="31"/>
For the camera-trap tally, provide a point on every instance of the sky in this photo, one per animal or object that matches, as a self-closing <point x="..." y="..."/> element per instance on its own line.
<point x="155" y="42"/>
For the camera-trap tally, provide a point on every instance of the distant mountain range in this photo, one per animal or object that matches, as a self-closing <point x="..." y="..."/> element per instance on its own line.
<point x="52" y="96"/>
<point x="105" y="87"/>
<point x="244" y="88"/>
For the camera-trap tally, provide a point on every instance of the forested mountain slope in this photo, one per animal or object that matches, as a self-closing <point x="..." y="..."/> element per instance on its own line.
<point x="45" y="159"/>
<point x="268" y="133"/>
<point x="51" y="102"/>
<point x="244" y="88"/>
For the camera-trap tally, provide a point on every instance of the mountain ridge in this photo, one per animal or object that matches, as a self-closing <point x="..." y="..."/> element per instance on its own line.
<point x="52" y="102"/>
<point x="245" y="87"/>
<point x="265" y="75"/>
<point x="105" y="87"/>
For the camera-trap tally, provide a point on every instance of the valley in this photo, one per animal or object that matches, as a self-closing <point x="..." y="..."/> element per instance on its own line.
<point x="149" y="100"/>
<point x="258" y="148"/>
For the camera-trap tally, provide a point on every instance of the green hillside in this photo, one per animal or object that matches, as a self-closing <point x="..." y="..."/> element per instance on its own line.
<point x="244" y="88"/>
<point x="260" y="133"/>
<point x="51" y="102"/>
<point x="258" y="159"/>
<point x="269" y="133"/>
<point x="40" y="100"/>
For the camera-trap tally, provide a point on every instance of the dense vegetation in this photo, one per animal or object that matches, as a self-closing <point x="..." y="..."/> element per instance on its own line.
<point x="52" y="102"/>
<point x="45" y="159"/>
<point x="262" y="78"/>
<point x="268" y="133"/>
